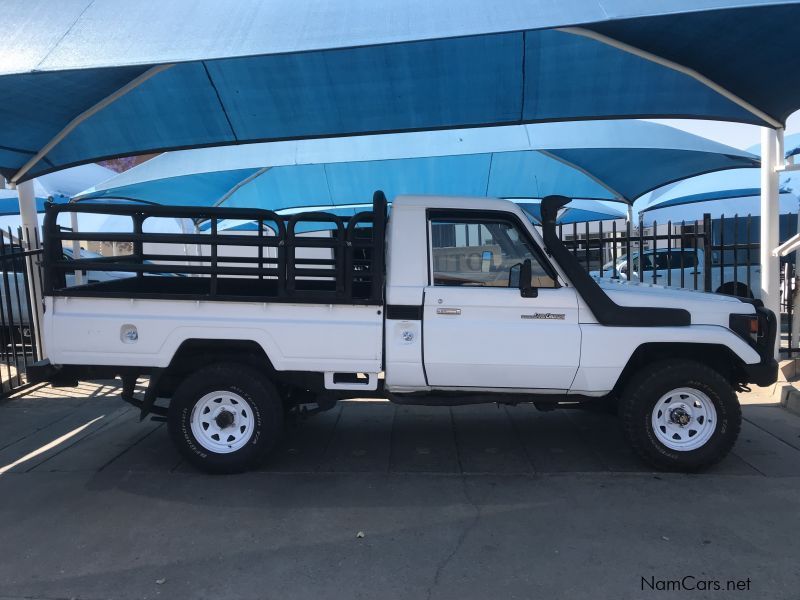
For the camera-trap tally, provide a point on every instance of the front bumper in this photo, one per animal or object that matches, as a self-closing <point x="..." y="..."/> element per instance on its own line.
<point x="765" y="372"/>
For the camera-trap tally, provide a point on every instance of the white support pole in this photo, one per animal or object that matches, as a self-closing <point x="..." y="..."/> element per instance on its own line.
<point x="27" y="208"/>
<point x="795" y="332"/>
<point x="770" y="265"/>
<point x="30" y="237"/>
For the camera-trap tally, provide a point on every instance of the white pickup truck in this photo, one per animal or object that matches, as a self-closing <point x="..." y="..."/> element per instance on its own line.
<point x="450" y="301"/>
<point x="684" y="268"/>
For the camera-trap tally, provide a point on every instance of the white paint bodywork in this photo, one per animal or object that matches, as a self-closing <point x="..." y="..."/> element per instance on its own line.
<point x="296" y="337"/>
<point x="490" y="345"/>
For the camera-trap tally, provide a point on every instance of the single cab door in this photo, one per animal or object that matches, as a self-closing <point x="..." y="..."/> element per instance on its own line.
<point x="477" y="331"/>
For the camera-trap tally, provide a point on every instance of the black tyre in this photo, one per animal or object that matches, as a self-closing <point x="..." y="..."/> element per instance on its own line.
<point x="225" y="418"/>
<point x="680" y="415"/>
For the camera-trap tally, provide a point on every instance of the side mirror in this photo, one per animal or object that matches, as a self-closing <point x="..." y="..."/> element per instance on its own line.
<point x="519" y="276"/>
<point x="486" y="261"/>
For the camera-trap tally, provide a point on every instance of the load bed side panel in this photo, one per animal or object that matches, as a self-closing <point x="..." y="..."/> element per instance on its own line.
<point x="147" y="333"/>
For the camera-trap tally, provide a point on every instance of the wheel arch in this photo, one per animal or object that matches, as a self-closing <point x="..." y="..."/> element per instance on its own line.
<point x="196" y="353"/>
<point x="716" y="356"/>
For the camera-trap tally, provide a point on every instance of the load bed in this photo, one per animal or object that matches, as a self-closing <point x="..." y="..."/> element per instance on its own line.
<point x="315" y="257"/>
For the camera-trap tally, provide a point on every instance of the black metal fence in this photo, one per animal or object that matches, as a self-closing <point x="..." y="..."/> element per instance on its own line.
<point x="673" y="254"/>
<point x="718" y="255"/>
<point x="789" y="289"/>
<point x="715" y="255"/>
<point x="20" y="329"/>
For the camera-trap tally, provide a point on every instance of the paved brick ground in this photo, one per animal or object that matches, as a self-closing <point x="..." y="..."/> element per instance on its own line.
<point x="468" y="502"/>
<point x="95" y="431"/>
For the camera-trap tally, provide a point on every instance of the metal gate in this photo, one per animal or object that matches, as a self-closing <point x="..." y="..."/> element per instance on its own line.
<point x="20" y="331"/>
<point x="673" y="254"/>
<point x="714" y="255"/>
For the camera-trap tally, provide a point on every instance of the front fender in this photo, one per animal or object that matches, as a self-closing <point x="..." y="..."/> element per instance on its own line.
<point x="606" y="351"/>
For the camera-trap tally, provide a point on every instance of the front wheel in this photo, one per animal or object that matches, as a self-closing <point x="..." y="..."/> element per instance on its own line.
<point x="680" y="415"/>
<point x="225" y="418"/>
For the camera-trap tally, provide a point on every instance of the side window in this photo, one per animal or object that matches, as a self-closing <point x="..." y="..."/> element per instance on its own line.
<point x="481" y="253"/>
<point x="667" y="260"/>
<point x="646" y="261"/>
<point x="662" y="261"/>
<point x="689" y="260"/>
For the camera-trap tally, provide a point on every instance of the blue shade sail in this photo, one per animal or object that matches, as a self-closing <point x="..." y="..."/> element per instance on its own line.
<point x="725" y="45"/>
<point x="200" y="189"/>
<point x="591" y="160"/>
<point x="266" y="71"/>
<point x="9" y="202"/>
<point x="791" y="146"/>
<point x="736" y="183"/>
<point x="56" y="187"/>
<point x="578" y="211"/>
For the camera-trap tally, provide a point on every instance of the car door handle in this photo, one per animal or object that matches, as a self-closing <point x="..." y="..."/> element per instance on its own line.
<point x="448" y="311"/>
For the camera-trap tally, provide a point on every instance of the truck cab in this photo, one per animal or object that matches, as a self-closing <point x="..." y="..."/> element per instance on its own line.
<point x="447" y="301"/>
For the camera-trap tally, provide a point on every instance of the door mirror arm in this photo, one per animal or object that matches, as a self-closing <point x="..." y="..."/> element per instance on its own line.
<point x="520" y="276"/>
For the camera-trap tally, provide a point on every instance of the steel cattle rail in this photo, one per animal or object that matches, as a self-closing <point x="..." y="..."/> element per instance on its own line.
<point x="354" y="273"/>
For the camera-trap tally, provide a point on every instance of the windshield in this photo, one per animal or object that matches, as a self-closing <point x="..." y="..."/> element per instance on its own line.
<point x="621" y="260"/>
<point x="84" y="253"/>
<point x="610" y="264"/>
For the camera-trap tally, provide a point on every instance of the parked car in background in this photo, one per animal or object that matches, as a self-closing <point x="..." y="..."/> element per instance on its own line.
<point x="685" y="268"/>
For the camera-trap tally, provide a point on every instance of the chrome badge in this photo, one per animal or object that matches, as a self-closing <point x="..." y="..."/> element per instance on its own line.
<point x="546" y="316"/>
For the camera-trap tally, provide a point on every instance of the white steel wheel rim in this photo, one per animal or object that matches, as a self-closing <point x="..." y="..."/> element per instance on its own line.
<point x="684" y="419"/>
<point x="222" y="422"/>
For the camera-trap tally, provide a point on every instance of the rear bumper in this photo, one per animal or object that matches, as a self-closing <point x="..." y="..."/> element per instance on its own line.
<point x="43" y="371"/>
<point x="69" y="375"/>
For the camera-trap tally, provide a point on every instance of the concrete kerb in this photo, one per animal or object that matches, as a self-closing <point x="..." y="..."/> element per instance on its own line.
<point x="785" y="390"/>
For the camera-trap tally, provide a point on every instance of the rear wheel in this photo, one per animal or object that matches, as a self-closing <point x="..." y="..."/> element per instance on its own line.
<point x="225" y="418"/>
<point x="680" y="415"/>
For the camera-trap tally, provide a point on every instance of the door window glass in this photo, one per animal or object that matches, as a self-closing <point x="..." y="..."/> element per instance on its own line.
<point x="481" y="254"/>
<point x="662" y="261"/>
